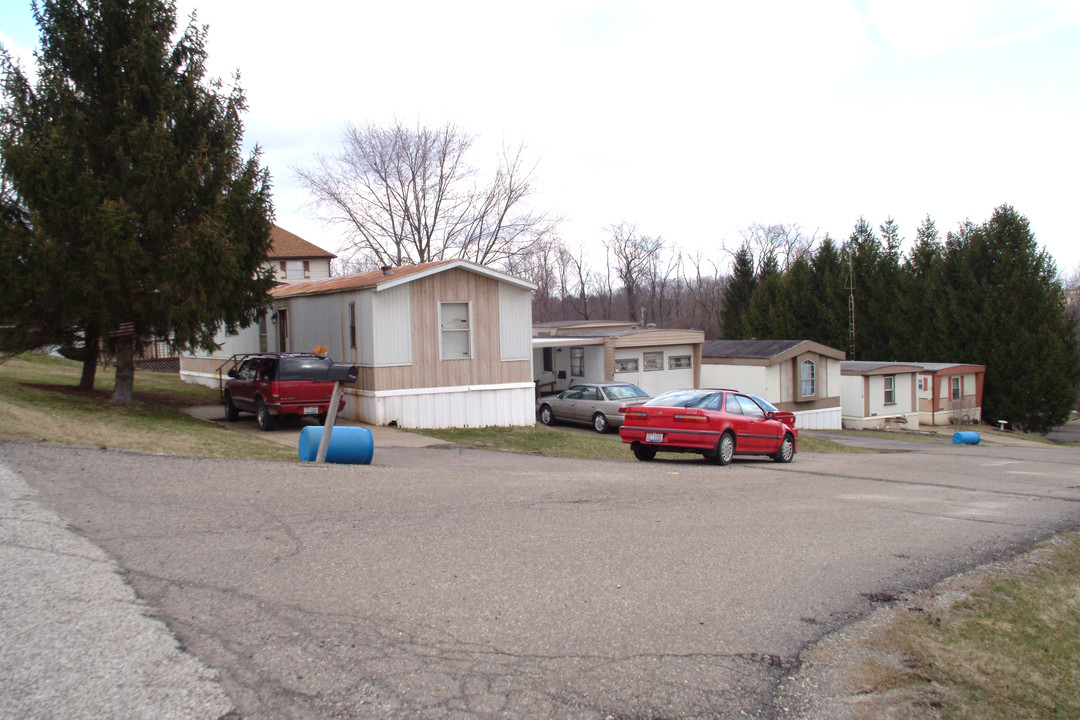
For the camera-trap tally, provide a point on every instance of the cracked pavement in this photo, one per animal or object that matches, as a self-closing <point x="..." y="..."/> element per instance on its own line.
<point x="458" y="583"/>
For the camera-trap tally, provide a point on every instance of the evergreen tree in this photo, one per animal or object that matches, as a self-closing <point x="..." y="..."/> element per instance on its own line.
<point x="922" y="292"/>
<point x="143" y="216"/>
<point x="891" y="324"/>
<point x="738" y="292"/>
<point x="1023" y="334"/>
<point x="864" y="249"/>
<point x="763" y="317"/>
<point x="830" y="298"/>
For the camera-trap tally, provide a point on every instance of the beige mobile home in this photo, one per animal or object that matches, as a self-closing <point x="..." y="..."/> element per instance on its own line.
<point x="799" y="376"/>
<point x="440" y="344"/>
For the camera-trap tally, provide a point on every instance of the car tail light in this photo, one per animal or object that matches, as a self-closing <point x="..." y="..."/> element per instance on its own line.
<point x="634" y="414"/>
<point x="274" y="391"/>
<point x="686" y="417"/>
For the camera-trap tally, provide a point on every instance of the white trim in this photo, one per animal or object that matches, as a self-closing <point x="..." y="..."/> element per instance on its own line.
<point x="464" y="264"/>
<point x="438" y="390"/>
<point x="467" y="330"/>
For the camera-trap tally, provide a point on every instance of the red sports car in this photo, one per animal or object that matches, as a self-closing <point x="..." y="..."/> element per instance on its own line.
<point x="719" y="424"/>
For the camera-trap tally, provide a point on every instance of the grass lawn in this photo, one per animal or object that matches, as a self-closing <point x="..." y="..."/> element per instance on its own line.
<point x="997" y="644"/>
<point x="556" y="442"/>
<point x="39" y="401"/>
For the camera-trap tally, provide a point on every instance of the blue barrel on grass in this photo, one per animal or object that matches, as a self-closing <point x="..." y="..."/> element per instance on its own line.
<point x="348" y="445"/>
<point x="965" y="437"/>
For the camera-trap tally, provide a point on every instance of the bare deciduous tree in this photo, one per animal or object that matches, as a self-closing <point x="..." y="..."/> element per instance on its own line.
<point x="786" y="243"/>
<point x="633" y="253"/>
<point x="409" y="195"/>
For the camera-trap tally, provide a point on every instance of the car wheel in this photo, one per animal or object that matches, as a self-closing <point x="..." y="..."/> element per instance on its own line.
<point x="546" y="416"/>
<point x="643" y="453"/>
<point x="786" y="451"/>
<point x="725" y="449"/>
<point x="600" y="423"/>
<point x="263" y="416"/>
<point x="231" y="413"/>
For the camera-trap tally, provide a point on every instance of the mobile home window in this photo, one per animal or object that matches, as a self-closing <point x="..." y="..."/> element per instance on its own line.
<point x="577" y="362"/>
<point x="454" y="336"/>
<point x="954" y="388"/>
<point x="890" y="389"/>
<point x="625" y="365"/>
<point x="352" y="324"/>
<point x="678" y="362"/>
<point x="808" y="378"/>
<point x="653" y="360"/>
<point x="549" y="360"/>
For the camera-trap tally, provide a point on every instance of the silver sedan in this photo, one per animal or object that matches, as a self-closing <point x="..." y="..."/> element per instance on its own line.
<point x="595" y="404"/>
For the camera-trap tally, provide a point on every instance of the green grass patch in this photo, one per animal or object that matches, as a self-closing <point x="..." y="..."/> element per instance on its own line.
<point x="40" y="402"/>
<point x="1007" y="650"/>
<point x="556" y="442"/>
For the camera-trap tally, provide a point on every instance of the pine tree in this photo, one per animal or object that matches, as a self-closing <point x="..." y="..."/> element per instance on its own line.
<point x="1023" y="333"/>
<point x="142" y="211"/>
<point x="830" y="297"/>
<point x="922" y="291"/>
<point x="738" y="292"/>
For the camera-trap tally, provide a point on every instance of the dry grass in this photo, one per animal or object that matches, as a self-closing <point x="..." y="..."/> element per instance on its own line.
<point x="999" y="643"/>
<point x="40" y="402"/>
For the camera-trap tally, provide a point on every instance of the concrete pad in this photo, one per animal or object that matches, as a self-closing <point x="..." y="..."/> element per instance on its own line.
<point x="288" y="431"/>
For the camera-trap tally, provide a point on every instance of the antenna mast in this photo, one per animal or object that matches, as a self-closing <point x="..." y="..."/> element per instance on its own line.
<point x="850" y="287"/>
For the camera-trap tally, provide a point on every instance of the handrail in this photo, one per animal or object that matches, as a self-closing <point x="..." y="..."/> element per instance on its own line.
<point x="235" y="362"/>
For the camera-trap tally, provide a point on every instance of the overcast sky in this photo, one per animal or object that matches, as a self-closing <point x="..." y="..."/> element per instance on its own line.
<point x="693" y="120"/>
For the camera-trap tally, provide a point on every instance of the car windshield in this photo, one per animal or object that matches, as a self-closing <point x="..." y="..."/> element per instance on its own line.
<point x="304" y="368"/>
<point x="680" y="398"/>
<point x="624" y="392"/>
<point x="765" y="404"/>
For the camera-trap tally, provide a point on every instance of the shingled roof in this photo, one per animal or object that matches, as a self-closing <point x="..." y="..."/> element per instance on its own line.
<point x="288" y="246"/>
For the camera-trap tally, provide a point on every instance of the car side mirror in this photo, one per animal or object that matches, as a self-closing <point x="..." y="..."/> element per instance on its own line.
<point x="770" y="415"/>
<point x="232" y="372"/>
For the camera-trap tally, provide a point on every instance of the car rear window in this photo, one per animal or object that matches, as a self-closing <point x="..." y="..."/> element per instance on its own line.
<point x="679" y="398"/>
<point x="624" y="392"/>
<point x="303" y="368"/>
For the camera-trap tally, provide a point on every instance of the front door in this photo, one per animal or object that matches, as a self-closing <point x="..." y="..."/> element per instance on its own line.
<point x="283" y="330"/>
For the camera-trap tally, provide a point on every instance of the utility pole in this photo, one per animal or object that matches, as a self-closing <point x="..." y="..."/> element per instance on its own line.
<point x="850" y="287"/>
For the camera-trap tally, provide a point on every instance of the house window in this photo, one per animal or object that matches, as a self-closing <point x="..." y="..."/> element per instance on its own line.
<point x="890" y="389"/>
<point x="954" y="388"/>
<point x="352" y="324"/>
<point x="549" y="359"/>
<point x="653" y="360"/>
<point x="455" y="342"/>
<point x="577" y="362"/>
<point x="678" y="362"/>
<point x="307" y="269"/>
<point x="922" y="384"/>
<point x="808" y="378"/>
<point x="284" y="269"/>
<point x="262" y="333"/>
<point x="626" y="365"/>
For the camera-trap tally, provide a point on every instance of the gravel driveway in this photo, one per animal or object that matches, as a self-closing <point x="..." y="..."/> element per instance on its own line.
<point x="457" y="583"/>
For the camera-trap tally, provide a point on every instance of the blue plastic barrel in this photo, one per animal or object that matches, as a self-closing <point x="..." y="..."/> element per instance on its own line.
<point x="964" y="437"/>
<point x="348" y="445"/>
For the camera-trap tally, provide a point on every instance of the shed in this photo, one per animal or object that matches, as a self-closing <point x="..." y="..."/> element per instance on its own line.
<point x="800" y="376"/>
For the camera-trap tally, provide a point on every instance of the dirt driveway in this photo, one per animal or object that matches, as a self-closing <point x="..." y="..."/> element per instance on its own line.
<point x="457" y="583"/>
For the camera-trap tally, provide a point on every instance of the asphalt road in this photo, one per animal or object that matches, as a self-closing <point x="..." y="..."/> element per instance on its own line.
<point x="457" y="583"/>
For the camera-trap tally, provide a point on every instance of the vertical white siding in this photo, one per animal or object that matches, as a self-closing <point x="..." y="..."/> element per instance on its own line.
<point x="316" y="320"/>
<point x="471" y="406"/>
<point x="823" y="419"/>
<point x="392" y="326"/>
<point x="515" y="322"/>
<point x="851" y="395"/>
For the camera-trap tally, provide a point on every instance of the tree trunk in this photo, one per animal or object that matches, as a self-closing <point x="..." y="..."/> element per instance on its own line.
<point x="124" y="391"/>
<point x="89" y="368"/>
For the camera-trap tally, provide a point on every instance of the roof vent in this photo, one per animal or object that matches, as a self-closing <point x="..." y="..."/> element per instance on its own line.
<point x="387" y="269"/>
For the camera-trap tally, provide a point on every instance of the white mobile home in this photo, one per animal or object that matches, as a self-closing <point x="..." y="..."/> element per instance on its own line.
<point x="877" y="395"/>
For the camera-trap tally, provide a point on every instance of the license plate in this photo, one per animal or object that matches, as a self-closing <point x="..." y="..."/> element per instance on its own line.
<point x="654" y="437"/>
<point x="311" y="411"/>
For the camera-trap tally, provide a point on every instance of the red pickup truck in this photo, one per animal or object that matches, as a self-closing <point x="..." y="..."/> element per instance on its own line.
<point x="273" y="384"/>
